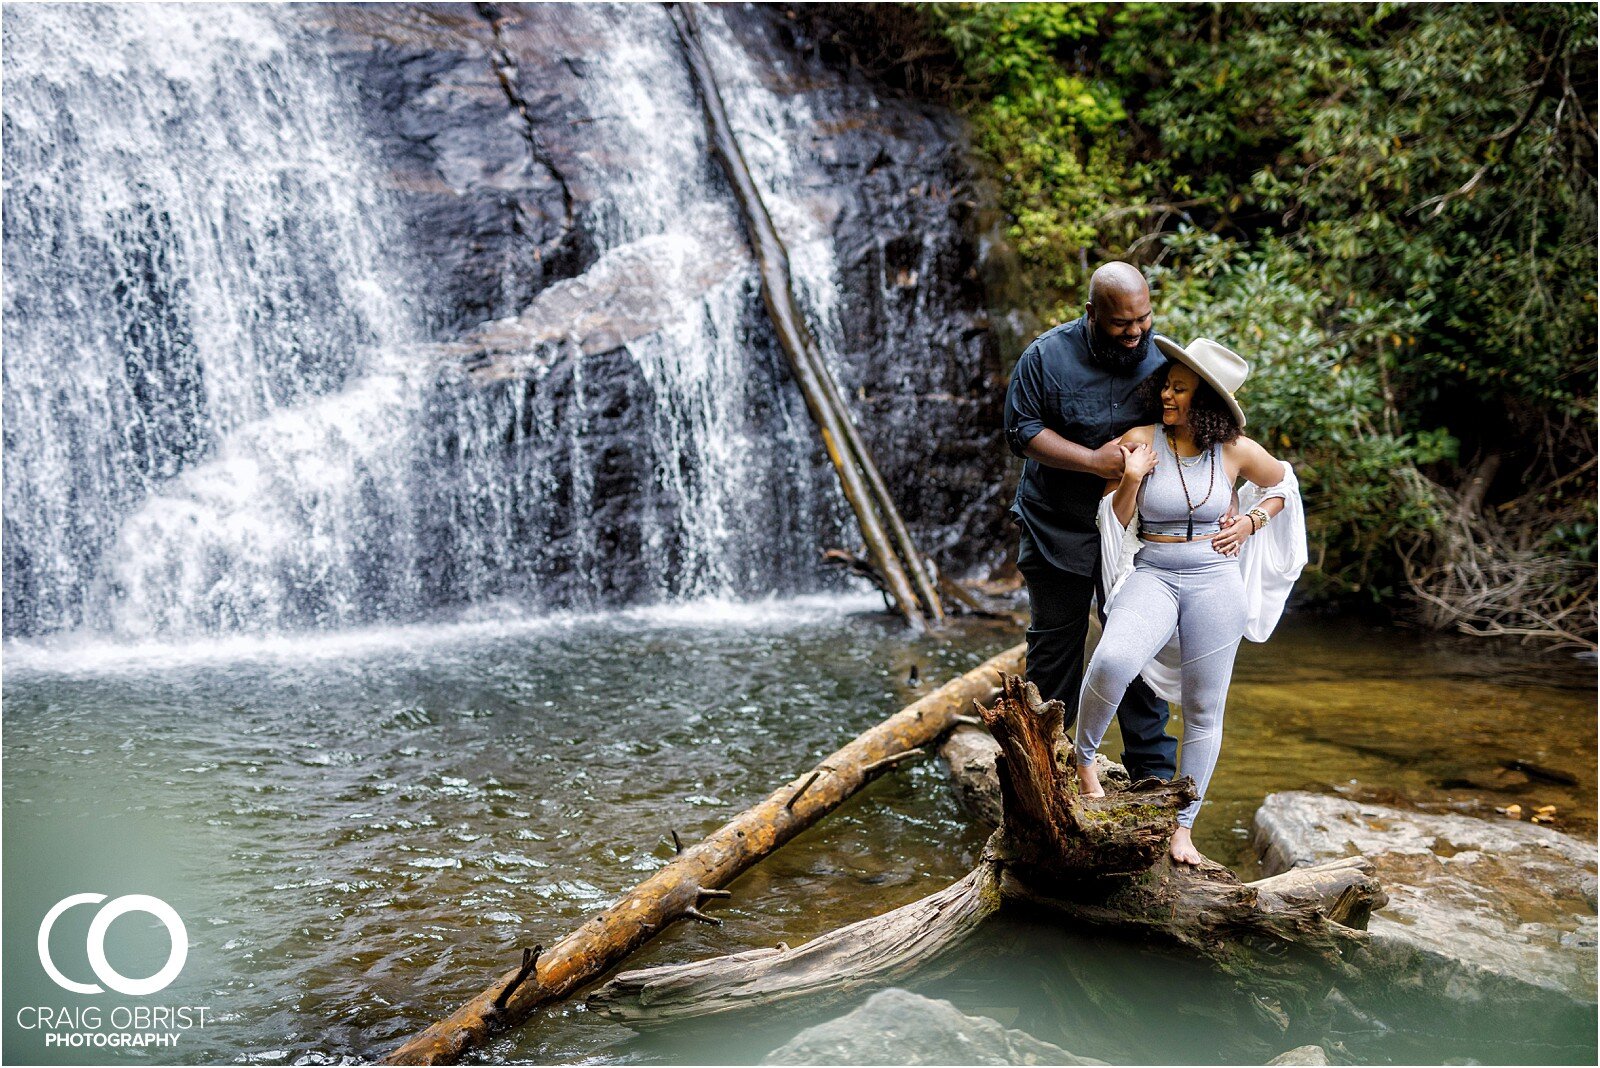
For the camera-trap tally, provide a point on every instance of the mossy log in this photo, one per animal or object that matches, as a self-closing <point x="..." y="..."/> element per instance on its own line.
<point x="1103" y="861"/>
<point x="683" y="888"/>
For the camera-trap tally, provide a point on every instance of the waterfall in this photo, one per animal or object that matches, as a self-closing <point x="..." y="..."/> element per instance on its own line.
<point x="223" y="409"/>
<point x="203" y="329"/>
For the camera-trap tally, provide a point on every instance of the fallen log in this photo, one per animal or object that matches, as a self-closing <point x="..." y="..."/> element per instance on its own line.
<point x="977" y="605"/>
<point x="910" y="939"/>
<point x="893" y="552"/>
<point x="1104" y="861"/>
<point x="969" y="752"/>
<point x="682" y="888"/>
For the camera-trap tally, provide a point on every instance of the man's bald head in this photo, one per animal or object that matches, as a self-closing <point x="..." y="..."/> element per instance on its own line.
<point x="1117" y="280"/>
<point x="1119" y="316"/>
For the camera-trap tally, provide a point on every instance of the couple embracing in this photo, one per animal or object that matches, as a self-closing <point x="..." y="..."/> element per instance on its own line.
<point x="1134" y="447"/>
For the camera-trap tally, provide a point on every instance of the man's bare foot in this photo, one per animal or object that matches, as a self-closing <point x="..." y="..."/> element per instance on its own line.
<point x="1089" y="782"/>
<point x="1182" y="849"/>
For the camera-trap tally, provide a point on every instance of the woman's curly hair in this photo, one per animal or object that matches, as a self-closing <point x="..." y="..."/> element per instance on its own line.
<point x="1210" y="420"/>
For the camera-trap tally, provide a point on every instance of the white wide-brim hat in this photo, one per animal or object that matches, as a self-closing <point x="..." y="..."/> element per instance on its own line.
<point x="1217" y="365"/>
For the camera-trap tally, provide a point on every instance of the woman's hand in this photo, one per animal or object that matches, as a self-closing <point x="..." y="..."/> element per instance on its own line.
<point x="1137" y="462"/>
<point x="1236" y="530"/>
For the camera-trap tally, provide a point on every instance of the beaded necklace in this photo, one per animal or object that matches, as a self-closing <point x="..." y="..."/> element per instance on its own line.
<point x="1211" y="481"/>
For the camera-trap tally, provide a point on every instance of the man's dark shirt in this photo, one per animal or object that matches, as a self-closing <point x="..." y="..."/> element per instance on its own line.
<point x="1057" y="385"/>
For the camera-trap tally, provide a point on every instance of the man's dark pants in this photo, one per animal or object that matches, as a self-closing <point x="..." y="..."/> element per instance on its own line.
<point x="1060" y="603"/>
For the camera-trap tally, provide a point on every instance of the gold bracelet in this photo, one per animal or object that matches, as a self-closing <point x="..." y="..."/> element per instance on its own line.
<point x="1256" y="514"/>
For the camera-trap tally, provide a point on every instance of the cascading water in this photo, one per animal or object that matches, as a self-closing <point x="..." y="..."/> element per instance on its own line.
<point x="190" y="272"/>
<point x="732" y="508"/>
<point x="222" y="411"/>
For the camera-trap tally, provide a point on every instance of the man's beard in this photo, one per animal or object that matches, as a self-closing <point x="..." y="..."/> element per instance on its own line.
<point x="1110" y="356"/>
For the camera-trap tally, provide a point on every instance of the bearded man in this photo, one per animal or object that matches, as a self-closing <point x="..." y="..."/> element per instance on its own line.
<point x="1073" y="394"/>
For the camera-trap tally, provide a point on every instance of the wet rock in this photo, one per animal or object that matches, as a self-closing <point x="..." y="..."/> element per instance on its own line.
<point x="1487" y="920"/>
<point x="488" y="213"/>
<point x="1542" y="773"/>
<point x="1302" y="1055"/>
<point x="630" y="292"/>
<point x="898" y="1027"/>
<point x="969" y="753"/>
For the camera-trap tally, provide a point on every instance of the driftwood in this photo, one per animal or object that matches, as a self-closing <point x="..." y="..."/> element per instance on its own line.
<point x="892" y="551"/>
<point x="971" y="754"/>
<point x="977" y="604"/>
<point x="883" y="949"/>
<point x="683" y="888"/>
<point x="1098" y="860"/>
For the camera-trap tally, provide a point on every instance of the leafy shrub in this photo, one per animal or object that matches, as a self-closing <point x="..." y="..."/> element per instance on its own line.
<point x="1389" y="208"/>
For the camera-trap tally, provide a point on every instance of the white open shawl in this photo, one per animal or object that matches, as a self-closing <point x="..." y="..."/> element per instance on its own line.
<point x="1270" y="561"/>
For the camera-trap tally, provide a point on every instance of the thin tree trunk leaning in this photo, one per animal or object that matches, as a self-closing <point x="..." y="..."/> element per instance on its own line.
<point x="682" y="888"/>
<point x="892" y="552"/>
<point x="1098" y="860"/>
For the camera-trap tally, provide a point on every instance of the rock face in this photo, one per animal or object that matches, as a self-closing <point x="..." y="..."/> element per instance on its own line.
<point x="505" y="130"/>
<point x="486" y="208"/>
<point x="899" y="1027"/>
<point x="1488" y="920"/>
<point x="916" y="349"/>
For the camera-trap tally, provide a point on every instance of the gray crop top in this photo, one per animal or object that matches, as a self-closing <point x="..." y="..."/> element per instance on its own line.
<point x="1162" y="508"/>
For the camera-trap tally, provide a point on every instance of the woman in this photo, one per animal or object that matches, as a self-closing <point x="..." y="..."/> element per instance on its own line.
<point x="1188" y="581"/>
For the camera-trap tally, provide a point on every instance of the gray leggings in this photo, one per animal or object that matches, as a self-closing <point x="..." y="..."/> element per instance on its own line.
<point x="1193" y="588"/>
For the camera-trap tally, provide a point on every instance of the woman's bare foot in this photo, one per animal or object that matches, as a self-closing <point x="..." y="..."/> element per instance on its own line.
<point x="1182" y="849"/>
<point x="1089" y="782"/>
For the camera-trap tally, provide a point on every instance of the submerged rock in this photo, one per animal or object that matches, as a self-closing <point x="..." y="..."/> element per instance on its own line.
<point x="898" y="1027"/>
<point x="1487" y="919"/>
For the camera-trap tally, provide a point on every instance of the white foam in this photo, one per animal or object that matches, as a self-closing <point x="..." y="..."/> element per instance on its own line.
<point x="79" y="656"/>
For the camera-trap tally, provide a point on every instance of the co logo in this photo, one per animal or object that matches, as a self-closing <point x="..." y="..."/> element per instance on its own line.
<point x="97" y="943"/>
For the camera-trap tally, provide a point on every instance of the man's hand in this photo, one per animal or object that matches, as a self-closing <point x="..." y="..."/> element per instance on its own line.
<point x="1108" y="460"/>
<point x="1053" y="450"/>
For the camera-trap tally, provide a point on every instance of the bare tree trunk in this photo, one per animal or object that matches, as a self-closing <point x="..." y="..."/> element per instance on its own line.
<point x="1477" y="485"/>
<point x="682" y="888"/>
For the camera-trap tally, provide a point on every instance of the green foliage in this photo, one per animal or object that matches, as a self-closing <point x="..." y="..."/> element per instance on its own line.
<point x="1437" y="157"/>
<point x="1048" y="126"/>
<point x="1389" y="209"/>
<point x="1310" y="398"/>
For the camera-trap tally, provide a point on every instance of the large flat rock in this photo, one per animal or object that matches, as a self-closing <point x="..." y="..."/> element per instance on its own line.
<point x="1488" y="917"/>
<point x="898" y="1027"/>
